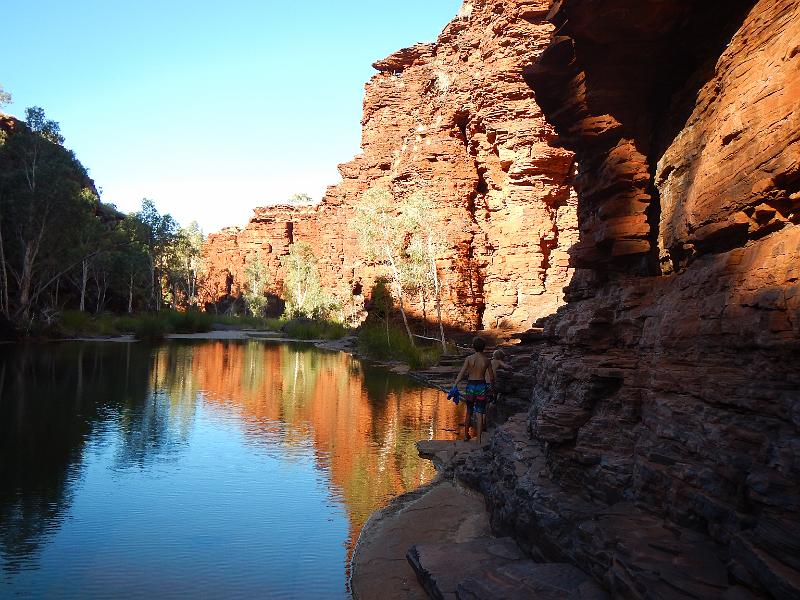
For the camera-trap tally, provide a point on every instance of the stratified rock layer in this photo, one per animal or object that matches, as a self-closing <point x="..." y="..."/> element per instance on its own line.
<point x="456" y="121"/>
<point x="669" y="385"/>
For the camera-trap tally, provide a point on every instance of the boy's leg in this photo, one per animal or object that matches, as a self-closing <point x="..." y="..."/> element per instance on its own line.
<point x="468" y="419"/>
<point x="480" y="426"/>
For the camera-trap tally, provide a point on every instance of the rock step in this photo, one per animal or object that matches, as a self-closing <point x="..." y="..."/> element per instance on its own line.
<point x="635" y="554"/>
<point x="527" y="580"/>
<point x="491" y="568"/>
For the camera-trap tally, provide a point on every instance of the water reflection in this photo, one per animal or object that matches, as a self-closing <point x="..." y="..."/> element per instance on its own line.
<point x="80" y="422"/>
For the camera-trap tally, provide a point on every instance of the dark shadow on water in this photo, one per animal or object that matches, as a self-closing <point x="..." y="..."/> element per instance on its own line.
<point x="51" y="399"/>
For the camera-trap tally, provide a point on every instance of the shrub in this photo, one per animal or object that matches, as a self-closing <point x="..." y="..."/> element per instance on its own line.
<point x="150" y="328"/>
<point x="248" y="322"/>
<point x="191" y="321"/>
<point x="373" y="341"/>
<point x="75" y="322"/>
<point x="126" y="323"/>
<point x="308" y="329"/>
<point x="106" y="325"/>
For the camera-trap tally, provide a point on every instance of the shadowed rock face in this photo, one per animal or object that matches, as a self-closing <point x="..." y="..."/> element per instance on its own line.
<point x="455" y="120"/>
<point x="670" y="380"/>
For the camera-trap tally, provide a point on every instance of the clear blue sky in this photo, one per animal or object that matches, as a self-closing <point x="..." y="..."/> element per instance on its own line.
<point x="209" y="108"/>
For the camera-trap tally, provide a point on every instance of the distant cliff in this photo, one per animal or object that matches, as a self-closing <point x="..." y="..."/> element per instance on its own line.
<point x="455" y="120"/>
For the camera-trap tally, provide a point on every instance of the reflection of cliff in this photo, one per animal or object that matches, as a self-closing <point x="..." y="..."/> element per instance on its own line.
<point x="455" y="120"/>
<point x="362" y="424"/>
<point x="51" y="400"/>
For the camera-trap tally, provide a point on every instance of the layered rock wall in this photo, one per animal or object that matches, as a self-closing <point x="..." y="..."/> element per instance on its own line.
<point x="668" y="387"/>
<point x="456" y="121"/>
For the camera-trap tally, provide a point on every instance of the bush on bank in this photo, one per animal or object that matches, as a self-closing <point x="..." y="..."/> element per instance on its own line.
<point x="314" y="329"/>
<point x="75" y="323"/>
<point x="375" y="341"/>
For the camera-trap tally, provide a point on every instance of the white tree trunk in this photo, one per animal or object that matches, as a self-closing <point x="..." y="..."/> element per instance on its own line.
<point x="84" y="279"/>
<point x="437" y="291"/>
<point x="130" y="294"/>
<point x="399" y="290"/>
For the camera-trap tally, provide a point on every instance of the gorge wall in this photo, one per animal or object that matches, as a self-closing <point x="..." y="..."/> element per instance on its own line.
<point x="661" y="451"/>
<point x="456" y="121"/>
<point x="662" y="447"/>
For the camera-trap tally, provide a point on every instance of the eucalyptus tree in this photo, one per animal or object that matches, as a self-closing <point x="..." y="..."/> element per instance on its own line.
<point x="132" y="261"/>
<point x="302" y="284"/>
<point x="5" y="97"/>
<point x="382" y="232"/>
<point x="45" y="195"/>
<point x="423" y="248"/>
<point x="255" y="291"/>
<point x="157" y="233"/>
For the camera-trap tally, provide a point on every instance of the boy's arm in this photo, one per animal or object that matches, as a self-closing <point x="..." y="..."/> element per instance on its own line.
<point x="461" y="373"/>
<point x="491" y="372"/>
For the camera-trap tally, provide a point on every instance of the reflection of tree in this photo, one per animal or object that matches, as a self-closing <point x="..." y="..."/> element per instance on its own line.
<point x="160" y="424"/>
<point x="51" y="399"/>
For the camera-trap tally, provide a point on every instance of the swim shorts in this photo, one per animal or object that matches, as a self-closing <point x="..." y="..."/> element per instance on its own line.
<point x="476" y="396"/>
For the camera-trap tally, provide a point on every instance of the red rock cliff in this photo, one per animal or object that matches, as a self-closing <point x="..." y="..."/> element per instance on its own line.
<point x="456" y="120"/>
<point x="662" y="449"/>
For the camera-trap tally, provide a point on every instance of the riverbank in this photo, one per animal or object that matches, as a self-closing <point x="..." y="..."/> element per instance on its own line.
<point x="437" y="542"/>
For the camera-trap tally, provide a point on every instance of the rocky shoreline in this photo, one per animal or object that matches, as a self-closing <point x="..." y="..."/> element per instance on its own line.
<point x="468" y="533"/>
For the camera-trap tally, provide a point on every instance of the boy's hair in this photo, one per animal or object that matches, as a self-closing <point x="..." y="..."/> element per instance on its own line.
<point x="498" y="354"/>
<point x="478" y="344"/>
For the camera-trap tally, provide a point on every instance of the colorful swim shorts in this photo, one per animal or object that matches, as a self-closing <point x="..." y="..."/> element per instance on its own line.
<point x="476" y="396"/>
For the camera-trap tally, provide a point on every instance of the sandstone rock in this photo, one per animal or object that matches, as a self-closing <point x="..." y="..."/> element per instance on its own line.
<point x="670" y="379"/>
<point x="439" y="513"/>
<point x="527" y="580"/>
<point x="455" y="120"/>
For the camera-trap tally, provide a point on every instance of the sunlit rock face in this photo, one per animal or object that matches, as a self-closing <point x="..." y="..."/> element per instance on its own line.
<point x="670" y="381"/>
<point x="455" y="120"/>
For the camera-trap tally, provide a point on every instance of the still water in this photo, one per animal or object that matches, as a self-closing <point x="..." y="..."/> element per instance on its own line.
<point x="214" y="469"/>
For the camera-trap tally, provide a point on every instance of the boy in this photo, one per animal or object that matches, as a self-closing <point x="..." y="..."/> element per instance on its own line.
<point x="498" y="362"/>
<point x="492" y="395"/>
<point x="478" y="369"/>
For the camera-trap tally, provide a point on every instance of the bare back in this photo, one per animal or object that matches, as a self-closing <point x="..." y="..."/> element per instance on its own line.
<point x="477" y="367"/>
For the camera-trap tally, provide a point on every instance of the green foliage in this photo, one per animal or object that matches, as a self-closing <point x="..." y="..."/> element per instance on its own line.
<point x="61" y="248"/>
<point x="255" y="292"/>
<point x="300" y="199"/>
<point x="308" y="329"/>
<point x="150" y="328"/>
<point x="392" y="344"/>
<point x="382" y="232"/>
<point x="377" y="225"/>
<point x="5" y="97"/>
<point x="182" y="265"/>
<point x="126" y="323"/>
<point x="249" y="322"/>
<point x="190" y="321"/>
<point x="40" y="125"/>
<point x="106" y="325"/>
<point x="46" y="201"/>
<point x="75" y="322"/>
<point x="303" y="290"/>
<point x="381" y="298"/>
<point x="272" y="324"/>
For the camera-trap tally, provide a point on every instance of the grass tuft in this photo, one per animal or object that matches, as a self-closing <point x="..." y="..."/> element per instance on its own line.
<point x="308" y="329"/>
<point x="374" y="342"/>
